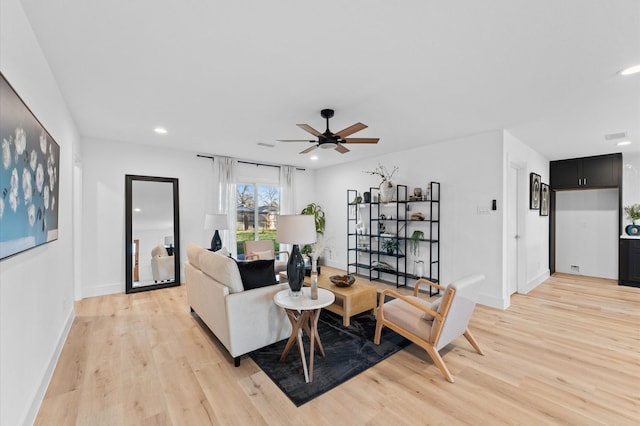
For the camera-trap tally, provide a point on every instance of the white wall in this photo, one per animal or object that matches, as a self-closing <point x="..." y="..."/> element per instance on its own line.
<point x="105" y="164"/>
<point x="36" y="286"/>
<point x="587" y="232"/>
<point x="470" y="171"/>
<point x="532" y="228"/>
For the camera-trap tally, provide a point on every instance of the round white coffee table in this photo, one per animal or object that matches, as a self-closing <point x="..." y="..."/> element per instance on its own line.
<point x="303" y="312"/>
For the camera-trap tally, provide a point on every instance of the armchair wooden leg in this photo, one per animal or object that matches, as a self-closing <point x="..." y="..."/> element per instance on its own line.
<point x="473" y="342"/>
<point x="376" y="337"/>
<point x="437" y="359"/>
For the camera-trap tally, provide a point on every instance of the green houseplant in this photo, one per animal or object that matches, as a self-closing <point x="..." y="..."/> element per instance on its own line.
<point x="633" y="211"/>
<point x="390" y="245"/>
<point x="319" y="217"/>
<point x="414" y="242"/>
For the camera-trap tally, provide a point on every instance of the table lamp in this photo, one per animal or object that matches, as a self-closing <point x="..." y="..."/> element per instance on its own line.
<point x="168" y="244"/>
<point x="217" y="222"/>
<point x="296" y="229"/>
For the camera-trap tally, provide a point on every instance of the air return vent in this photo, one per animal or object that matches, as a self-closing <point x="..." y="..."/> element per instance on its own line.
<point x="615" y="136"/>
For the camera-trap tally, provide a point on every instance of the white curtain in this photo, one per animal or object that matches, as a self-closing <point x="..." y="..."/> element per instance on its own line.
<point x="287" y="202"/>
<point x="226" y="173"/>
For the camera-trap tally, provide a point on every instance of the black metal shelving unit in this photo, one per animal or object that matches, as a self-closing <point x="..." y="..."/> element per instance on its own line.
<point x="391" y="221"/>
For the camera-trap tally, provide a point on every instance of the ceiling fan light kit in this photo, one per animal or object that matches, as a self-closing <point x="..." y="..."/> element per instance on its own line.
<point x="330" y="140"/>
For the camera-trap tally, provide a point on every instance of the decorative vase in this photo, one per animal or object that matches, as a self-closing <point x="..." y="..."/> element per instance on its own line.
<point x="367" y="197"/>
<point x="314" y="279"/>
<point x="386" y="191"/>
<point x="295" y="271"/>
<point x="418" y="268"/>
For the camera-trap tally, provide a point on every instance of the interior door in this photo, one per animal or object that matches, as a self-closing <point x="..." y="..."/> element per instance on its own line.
<point x="136" y="259"/>
<point x="512" y="230"/>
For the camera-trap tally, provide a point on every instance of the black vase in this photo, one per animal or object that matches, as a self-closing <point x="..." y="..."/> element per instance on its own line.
<point x="295" y="269"/>
<point x="367" y="197"/>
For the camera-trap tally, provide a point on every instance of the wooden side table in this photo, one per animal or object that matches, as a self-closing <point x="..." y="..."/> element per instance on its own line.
<point x="303" y="312"/>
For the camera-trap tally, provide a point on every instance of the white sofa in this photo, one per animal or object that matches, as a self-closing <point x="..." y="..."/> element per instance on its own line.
<point x="242" y="320"/>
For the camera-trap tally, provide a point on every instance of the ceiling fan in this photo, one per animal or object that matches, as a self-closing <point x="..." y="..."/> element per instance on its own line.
<point x="330" y="140"/>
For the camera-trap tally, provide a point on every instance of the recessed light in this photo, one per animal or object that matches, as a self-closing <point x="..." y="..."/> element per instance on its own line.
<point x="623" y="143"/>
<point x="137" y="210"/>
<point x="160" y="130"/>
<point x="313" y="158"/>
<point x="631" y="70"/>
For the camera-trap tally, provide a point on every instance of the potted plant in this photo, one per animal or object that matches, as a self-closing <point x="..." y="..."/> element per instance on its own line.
<point x="386" y="186"/>
<point x="633" y="211"/>
<point x="319" y="217"/>
<point x="414" y="242"/>
<point x="390" y="245"/>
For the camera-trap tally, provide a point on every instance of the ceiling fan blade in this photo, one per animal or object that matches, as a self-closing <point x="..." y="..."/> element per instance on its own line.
<point x="341" y="149"/>
<point x="361" y="140"/>
<point x="309" y="149"/>
<point x="295" y="140"/>
<point x="309" y="129"/>
<point x="351" y="130"/>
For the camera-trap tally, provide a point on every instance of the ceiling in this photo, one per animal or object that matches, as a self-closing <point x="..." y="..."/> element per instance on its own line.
<point x="222" y="77"/>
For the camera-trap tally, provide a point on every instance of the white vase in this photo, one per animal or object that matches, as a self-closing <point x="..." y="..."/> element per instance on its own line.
<point x="386" y="191"/>
<point x="636" y="222"/>
<point x="418" y="268"/>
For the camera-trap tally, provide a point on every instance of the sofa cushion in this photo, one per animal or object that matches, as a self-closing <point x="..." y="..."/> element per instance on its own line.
<point x="257" y="273"/>
<point x="159" y="250"/>
<point x="193" y="254"/>
<point x="223" y="269"/>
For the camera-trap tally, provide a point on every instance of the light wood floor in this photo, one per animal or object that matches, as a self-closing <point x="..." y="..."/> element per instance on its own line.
<point x="567" y="353"/>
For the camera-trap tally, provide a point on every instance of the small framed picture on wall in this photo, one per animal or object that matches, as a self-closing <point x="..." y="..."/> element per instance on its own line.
<point x="534" y="191"/>
<point x="544" y="199"/>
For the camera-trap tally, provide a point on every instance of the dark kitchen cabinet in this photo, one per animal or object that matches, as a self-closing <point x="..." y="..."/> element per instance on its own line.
<point x="602" y="171"/>
<point x="629" y="273"/>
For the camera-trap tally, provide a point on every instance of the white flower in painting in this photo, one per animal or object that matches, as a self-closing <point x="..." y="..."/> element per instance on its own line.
<point x="1" y="207"/>
<point x="33" y="160"/>
<point x="6" y="153"/>
<point x="43" y="142"/>
<point x="39" y="177"/>
<point x="26" y="186"/>
<point x="13" y="192"/>
<point x="53" y="202"/>
<point x="31" y="212"/>
<point x="46" y="197"/>
<point x="21" y="140"/>
<point x="52" y="180"/>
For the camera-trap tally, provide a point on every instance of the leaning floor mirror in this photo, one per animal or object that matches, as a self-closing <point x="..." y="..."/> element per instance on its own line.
<point x="152" y="246"/>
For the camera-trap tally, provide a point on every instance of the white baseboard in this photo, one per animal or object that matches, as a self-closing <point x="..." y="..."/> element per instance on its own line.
<point x="102" y="290"/>
<point x="531" y="284"/>
<point x="493" y="302"/>
<point x="36" y="401"/>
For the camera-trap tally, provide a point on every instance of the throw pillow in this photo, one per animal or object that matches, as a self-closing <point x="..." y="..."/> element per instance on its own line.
<point x="257" y="273"/>
<point x="434" y="306"/>
<point x="223" y="251"/>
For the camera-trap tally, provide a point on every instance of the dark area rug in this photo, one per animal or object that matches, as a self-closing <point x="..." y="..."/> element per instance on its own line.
<point x="349" y="351"/>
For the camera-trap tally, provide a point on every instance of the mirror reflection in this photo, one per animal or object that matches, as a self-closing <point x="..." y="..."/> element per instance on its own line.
<point x="152" y="258"/>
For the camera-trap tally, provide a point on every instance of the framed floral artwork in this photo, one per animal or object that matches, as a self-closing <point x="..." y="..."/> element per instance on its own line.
<point x="544" y="199"/>
<point x="534" y="191"/>
<point x="29" y="177"/>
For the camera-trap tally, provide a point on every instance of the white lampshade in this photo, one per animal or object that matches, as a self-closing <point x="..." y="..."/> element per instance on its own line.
<point x="296" y="229"/>
<point x="215" y="221"/>
<point x="168" y="240"/>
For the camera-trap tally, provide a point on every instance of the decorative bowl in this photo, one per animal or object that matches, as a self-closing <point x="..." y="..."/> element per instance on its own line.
<point x="342" y="280"/>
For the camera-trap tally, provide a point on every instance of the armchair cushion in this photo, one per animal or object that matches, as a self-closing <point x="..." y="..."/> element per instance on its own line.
<point x="257" y="273"/>
<point x="193" y="254"/>
<point x="434" y="306"/>
<point x="266" y="255"/>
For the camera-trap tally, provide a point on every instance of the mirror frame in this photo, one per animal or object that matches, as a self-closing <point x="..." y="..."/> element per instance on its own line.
<point x="129" y="179"/>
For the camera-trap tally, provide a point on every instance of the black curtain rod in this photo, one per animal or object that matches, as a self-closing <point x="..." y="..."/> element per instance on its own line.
<point x="249" y="162"/>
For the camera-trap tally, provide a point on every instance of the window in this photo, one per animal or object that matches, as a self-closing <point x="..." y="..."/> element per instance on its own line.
<point x="257" y="215"/>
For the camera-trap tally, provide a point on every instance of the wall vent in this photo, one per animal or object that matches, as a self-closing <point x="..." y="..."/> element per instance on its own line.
<point x="575" y="268"/>
<point x="615" y="136"/>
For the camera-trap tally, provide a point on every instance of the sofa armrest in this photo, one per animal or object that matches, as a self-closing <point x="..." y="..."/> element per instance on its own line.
<point x="247" y="334"/>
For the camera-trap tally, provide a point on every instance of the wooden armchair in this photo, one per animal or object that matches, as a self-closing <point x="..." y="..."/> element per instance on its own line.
<point x="432" y="325"/>
<point x="265" y="249"/>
